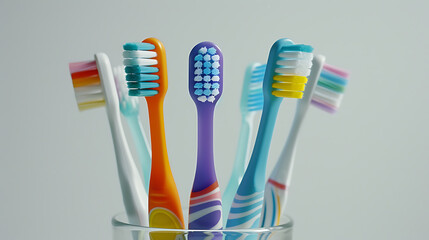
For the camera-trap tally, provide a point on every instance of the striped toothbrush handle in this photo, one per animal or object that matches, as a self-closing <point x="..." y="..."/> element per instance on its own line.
<point x="245" y="211"/>
<point x="205" y="210"/>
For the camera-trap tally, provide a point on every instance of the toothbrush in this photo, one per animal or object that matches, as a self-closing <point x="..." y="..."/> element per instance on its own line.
<point x="205" y="88"/>
<point x="276" y="187"/>
<point x="251" y="102"/>
<point x="94" y="86"/>
<point x="330" y="88"/>
<point x="146" y="68"/>
<point x="286" y="74"/>
<point x="130" y="108"/>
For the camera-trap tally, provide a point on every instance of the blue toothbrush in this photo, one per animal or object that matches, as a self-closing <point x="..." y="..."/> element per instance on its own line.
<point x="288" y="66"/>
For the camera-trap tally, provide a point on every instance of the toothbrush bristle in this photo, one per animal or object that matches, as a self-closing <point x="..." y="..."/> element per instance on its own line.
<point x="330" y="88"/>
<point x="205" y="73"/>
<point x="293" y="66"/>
<point x="86" y="85"/>
<point x="255" y="98"/>
<point x="142" y="63"/>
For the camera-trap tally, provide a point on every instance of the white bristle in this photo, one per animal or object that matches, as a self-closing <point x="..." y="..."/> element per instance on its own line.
<point x="295" y="63"/>
<point x="294" y="71"/>
<point x="215" y="78"/>
<point x="326" y="95"/>
<point x="138" y="54"/>
<point x="215" y="92"/>
<point x="86" y="90"/>
<point x="140" y="61"/>
<point x="89" y="98"/>
<point x="198" y="64"/>
<point x="203" y="50"/>
<point x="296" y="55"/>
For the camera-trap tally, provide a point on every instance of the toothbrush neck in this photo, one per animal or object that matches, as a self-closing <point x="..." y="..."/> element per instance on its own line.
<point x="160" y="164"/>
<point x="205" y="174"/>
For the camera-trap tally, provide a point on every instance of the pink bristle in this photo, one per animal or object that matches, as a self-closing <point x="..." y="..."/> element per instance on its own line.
<point x="82" y="66"/>
<point x="335" y="70"/>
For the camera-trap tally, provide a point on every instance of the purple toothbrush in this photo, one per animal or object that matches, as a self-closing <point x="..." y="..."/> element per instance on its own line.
<point x="205" y="88"/>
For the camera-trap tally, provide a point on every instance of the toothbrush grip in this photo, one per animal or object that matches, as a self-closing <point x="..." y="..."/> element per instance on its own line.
<point x="165" y="210"/>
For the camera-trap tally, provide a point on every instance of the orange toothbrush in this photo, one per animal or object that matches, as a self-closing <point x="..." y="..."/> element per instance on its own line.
<point x="146" y="68"/>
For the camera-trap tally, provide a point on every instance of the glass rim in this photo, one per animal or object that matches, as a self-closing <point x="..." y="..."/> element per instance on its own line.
<point x="117" y="222"/>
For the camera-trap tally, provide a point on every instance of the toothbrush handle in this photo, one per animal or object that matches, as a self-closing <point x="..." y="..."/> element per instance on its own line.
<point x="133" y="193"/>
<point x="239" y="166"/>
<point x="165" y="210"/>
<point x="205" y="211"/>
<point x="254" y="177"/>
<point x="246" y="208"/>
<point x="205" y="174"/>
<point x="276" y="189"/>
<point x="142" y="146"/>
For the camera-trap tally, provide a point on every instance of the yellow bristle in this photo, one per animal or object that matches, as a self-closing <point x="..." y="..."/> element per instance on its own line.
<point x="291" y="79"/>
<point x="289" y="86"/>
<point x="80" y="82"/>
<point x="90" y="105"/>
<point x="288" y="94"/>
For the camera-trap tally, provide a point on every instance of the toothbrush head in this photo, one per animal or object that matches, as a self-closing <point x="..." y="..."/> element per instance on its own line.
<point x="252" y="98"/>
<point x="146" y="68"/>
<point x="205" y="73"/>
<point x="330" y="88"/>
<point x="287" y="69"/>
<point x="129" y="106"/>
<point x="86" y="84"/>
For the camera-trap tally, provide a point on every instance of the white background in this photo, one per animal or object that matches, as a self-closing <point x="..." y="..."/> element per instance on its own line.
<point x="360" y="174"/>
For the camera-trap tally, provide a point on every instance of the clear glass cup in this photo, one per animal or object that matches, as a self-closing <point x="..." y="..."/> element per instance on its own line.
<point x="123" y="230"/>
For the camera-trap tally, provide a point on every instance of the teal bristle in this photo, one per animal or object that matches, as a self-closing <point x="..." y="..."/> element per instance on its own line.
<point x="255" y="98"/>
<point x="139" y="76"/>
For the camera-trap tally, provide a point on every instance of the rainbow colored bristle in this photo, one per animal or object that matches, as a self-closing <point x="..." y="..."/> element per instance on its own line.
<point x="86" y="84"/>
<point x="330" y="88"/>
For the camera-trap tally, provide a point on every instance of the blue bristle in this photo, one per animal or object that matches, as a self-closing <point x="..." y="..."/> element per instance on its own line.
<point x="138" y="46"/>
<point x="215" y="72"/>
<point x="334" y="78"/>
<point x="142" y="93"/>
<point x="211" y="50"/>
<point x="207" y="71"/>
<point x="207" y="92"/>
<point x="142" y="85"/>
<point x="140" y="69"/>
<point x="141" y="77"/>
<point x="297" y="48"/>
<point x="199" y="92"/>
<point x="199" y="57"/>
<point x="204" y="68"/>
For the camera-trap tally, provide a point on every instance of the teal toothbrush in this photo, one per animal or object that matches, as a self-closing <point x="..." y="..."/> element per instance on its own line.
<point x="251" y="103"/>
<point x="130" y="109"/>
